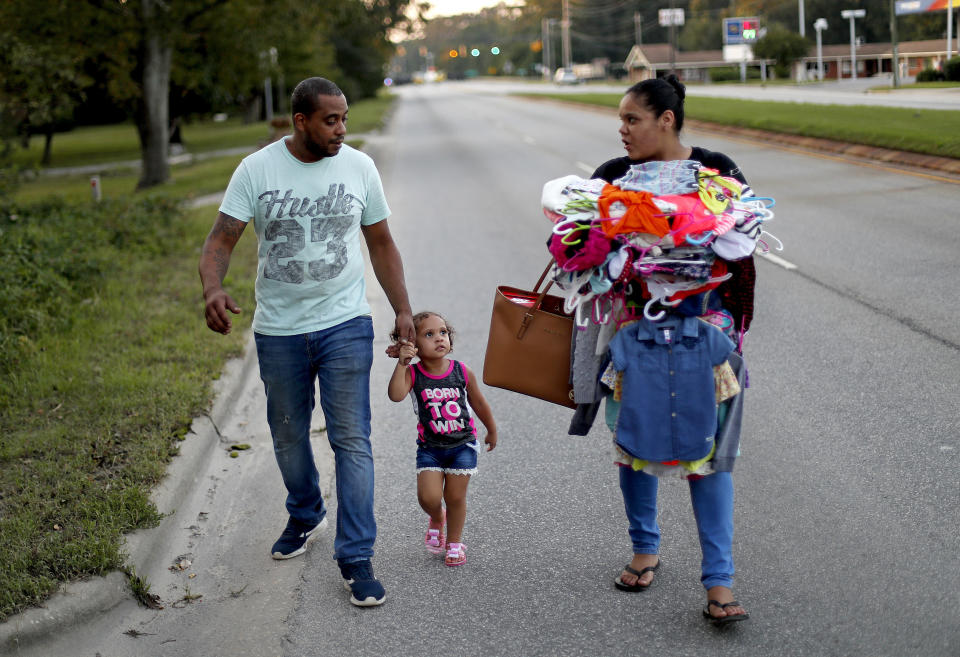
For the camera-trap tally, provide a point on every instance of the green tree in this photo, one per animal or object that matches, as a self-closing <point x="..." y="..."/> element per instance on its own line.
<point x="703" y="26"/>
<point x="203" y="53"/>
<point x="300" y="32"/>
<point x="358" y="33"/>
<point x="41" y="78"/>
<point x="782" y="45"/>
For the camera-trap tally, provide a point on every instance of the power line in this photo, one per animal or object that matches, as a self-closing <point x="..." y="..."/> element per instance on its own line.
<point x="616" y="37"/>
<point x="599" y="10"/>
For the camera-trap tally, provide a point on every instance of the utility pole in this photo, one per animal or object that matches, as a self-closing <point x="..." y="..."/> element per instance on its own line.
<point x="565" y="35"/>
<point x="949" y="28"/>
<point x="803" y="27"/>
<point x="638" y="28"/>
<point x="673" y="41"/>
<point x="895" y="68"/>
<point x="545" y="46"/>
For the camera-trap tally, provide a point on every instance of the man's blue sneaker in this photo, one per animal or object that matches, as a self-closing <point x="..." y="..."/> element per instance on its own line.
<point x="365" y="589"/>
<point x="295" y="539"/>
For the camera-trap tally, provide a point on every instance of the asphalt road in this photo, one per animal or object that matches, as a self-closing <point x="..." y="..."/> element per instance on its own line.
<point x="848" y="505"/>
<point x="847" y="516"/>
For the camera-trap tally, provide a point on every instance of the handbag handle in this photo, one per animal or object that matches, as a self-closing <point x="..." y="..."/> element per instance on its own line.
<point x="528" y="314"/>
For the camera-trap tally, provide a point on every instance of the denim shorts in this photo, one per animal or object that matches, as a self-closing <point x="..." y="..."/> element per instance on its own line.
<point x="456" y="460"/>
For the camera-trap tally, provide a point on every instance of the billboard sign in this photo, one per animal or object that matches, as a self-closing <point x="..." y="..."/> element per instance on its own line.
<point x="738" y="31"/>
<point x="921" y="6"/>
<point x="669" y="17"/>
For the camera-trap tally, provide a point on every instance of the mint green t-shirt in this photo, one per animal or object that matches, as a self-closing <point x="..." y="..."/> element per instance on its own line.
<point x="310" y="271"/>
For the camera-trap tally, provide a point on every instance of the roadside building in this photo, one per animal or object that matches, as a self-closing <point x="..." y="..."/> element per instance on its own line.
<point x="656" y="59"/>
<point x="873" y="59"/>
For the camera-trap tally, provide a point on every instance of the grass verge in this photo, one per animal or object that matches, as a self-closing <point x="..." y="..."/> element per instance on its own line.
<point x="106" y="360"/>
<point x="930" y="132"/>
<point x="97" y="403"/>
<point x="119" y="143"/>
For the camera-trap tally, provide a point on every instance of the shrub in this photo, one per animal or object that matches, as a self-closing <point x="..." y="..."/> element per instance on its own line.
<point x="732" y="73"/>
<point x="929" y="75"/>
<point x="951" y="70"/>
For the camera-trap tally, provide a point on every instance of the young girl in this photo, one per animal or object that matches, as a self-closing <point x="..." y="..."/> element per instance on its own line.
<point x="446" y="396"/>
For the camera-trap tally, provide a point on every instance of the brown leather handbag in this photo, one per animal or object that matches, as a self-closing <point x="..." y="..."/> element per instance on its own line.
<point x="528" y="350"/>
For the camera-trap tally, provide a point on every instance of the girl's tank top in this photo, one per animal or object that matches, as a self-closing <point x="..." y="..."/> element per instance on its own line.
<point x="440" y="402"/>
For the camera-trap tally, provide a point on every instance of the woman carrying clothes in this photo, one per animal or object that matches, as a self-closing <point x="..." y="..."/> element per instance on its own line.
<point x="651" y="116"/>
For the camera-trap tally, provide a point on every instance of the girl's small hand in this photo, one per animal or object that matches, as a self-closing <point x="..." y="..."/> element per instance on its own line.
<point x="491" y="440"/>
<point x="407" y="352"/>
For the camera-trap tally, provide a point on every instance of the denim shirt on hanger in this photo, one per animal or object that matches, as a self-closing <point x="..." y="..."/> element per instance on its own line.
<point x="668" y="406"/>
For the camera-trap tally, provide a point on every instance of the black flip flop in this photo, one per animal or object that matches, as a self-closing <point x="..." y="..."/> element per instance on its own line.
<point x="720" y="621"/>
<point x="635" y="588"/>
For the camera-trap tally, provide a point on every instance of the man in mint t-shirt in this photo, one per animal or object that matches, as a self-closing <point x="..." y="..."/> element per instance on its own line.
<point x="310" y="197"/>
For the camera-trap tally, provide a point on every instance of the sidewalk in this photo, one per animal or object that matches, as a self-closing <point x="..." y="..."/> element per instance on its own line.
<point x="182" y="158"/>
<point x="80" y="602"/>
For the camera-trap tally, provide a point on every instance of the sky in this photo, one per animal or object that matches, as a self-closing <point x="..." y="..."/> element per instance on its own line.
<point x="453" y="7"/>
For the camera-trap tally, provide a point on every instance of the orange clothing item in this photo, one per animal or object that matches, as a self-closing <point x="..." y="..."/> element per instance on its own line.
<point x="642" y="215"/>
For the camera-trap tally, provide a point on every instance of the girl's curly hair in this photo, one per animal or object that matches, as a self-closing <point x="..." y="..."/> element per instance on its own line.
<point x="419" y="317"/>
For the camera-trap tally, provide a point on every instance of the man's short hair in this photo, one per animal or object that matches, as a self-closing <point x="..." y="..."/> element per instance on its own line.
<point x="304" y="98"/>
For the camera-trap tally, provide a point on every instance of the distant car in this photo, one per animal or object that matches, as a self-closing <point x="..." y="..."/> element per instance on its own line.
<point x="566" y="76"/>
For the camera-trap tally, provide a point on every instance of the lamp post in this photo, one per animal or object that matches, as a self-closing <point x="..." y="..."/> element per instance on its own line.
<point x="820" y="25"/>
<point x="949" y="29"/>
<point x="803" y="28"/>
<point x="853" y="14"/>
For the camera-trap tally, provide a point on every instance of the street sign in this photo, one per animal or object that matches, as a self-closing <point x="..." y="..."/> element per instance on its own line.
<point x="740" y="30"/>
<point x="670" y="17"/>
<point x="920" y="6"/>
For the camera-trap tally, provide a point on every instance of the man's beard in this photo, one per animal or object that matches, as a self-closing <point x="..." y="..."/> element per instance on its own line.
<point x="316" y="148"/>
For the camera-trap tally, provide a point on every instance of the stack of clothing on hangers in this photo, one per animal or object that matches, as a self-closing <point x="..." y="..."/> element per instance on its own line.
<point x="653" y="267"/>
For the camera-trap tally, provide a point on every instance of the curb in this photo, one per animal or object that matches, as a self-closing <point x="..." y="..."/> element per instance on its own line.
<point x="77" y="602"/>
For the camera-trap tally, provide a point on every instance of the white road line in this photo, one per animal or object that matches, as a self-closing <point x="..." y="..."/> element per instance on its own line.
<point x="777" y="260"/>
<point x="585" y="167"/>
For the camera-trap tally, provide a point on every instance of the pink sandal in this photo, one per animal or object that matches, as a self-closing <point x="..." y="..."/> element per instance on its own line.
<point x="435" y="540"/>
<point x="456" y="554"/>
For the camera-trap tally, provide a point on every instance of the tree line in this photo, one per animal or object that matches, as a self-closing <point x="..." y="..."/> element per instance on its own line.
<point x="157" y="62"/>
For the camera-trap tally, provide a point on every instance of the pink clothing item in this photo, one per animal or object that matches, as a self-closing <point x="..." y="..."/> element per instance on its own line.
<point x="581" y="248"/>
<point x="693" y="222"/>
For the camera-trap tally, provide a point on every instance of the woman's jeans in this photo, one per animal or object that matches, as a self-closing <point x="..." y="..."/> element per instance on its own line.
<point x="712" y="498"/>
<point x="339" y="358"/>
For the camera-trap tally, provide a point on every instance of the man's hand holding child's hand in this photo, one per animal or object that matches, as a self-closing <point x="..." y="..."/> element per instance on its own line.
<point x="406" y="352"/>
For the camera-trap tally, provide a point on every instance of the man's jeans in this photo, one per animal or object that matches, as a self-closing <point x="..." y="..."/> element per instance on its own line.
<point x="712" y="498"/>
<point x="339" y="358"/>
